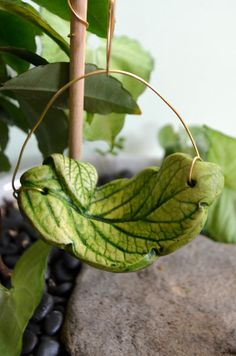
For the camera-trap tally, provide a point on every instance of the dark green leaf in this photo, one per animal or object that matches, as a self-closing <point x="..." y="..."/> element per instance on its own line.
<point x="4" y="135"/>
<point x="97" y="13"/>
<point x="18" y="304"/>
<point x="19" y="33"/>
<point x="24" y="54"/>
<point x="3" y="72"/>
<point x="27" y="12"/>
<point x="52" y="134"/>
<point x="124" y="225"/>
<point x="103" y="94"/>
<point x="4" y="164"/>
<point x="12" y="114"/>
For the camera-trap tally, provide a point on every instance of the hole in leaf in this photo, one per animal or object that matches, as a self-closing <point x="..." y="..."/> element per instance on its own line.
<point x="192" y="183"/>
<point x="45" y="191"/>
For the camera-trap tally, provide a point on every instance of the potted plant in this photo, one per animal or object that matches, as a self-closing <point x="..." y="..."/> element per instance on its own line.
<point x="106" y="100"/>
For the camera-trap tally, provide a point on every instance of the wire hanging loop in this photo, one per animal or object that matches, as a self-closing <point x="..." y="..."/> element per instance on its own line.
<point x="110" y="31"/>
<point x="91" y="74"/>
<point x="84" y="22"/>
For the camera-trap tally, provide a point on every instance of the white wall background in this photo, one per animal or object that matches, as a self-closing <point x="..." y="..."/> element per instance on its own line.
<point x="194" y="47"/>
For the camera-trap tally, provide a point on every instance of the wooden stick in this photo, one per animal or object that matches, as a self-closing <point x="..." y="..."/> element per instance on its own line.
<point x="77" y="68"/>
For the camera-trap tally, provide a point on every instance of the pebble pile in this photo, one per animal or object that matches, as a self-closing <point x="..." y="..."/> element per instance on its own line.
<point x="42" y="335"/>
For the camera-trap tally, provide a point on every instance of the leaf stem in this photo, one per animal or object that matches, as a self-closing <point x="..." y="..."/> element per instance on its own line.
<point x="77" y="68"/>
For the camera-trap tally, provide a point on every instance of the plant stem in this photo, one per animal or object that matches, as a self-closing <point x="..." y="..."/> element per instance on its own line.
<point x="77" y="68"/>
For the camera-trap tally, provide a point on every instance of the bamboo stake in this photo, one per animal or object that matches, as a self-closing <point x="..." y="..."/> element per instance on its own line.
<point x="77" y="68"/>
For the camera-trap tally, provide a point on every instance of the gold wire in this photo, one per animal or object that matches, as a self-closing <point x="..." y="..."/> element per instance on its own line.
<point x="110" y="32"/>
<point x="111" y="27"/>
<point x="197" y="158"/>
<point x="16" y="192"/>
<point x="84" y="22"/>
<point x="87" y="75"/>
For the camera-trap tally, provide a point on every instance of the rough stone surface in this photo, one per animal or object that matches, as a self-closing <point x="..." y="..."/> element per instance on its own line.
<point x="185" y="304"/>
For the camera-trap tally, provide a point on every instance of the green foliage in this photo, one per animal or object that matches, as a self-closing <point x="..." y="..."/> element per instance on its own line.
<point x="18" y="303"/>
<point x="219" y="148"/>
<point x="28" y="13"/>
<point x="127" y="55"/>
<point x="25" y="55"/>
<point x="16" y="32"/>
<point x="103" y="94"/>
<point x="124" y="225"/>
<point x="97" y="13"/>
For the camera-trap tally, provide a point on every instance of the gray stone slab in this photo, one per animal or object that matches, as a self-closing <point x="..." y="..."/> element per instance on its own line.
<point x="185" y="304"/>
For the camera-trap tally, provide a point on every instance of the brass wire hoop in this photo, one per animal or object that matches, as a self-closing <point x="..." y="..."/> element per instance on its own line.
<point x="111" y="26"/>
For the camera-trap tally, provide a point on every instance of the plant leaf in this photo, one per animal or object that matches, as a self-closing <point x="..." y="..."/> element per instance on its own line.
<point x="220" y="149"/>
<point x="103" y="94"/>
<point x="19" y="33"/>
<point x="12" y="114"/>
<point x="97" y="13"/>
<point x="127" y="55"/>
<point x="221" y="223"/>
<point x="28" y="13"/>
<point x="126" y="224"/>
<point x="52" y="134"/>
<point x="4" y="136"/>
<point x="24" y="54"/>
<point x="18" y="303"/>
<point x="5" y="165"/>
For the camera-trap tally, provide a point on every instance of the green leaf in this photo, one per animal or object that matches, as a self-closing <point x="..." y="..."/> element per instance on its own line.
<point x="221" y="224"/>
<point x="17" y="304"/>
<point x="103" y="94"/>
<point x="98" y="17"/>
<point x="220" y="149"/>
<point x="104" y="128"/>
<point x="12" y="114"/>
<point x="52" y="134"/>
<point x="127" y="55"/>
<point x="124" y="225"/>
<point x="50" y="50"/>
<point x="178" y="141"/>
<point x="24" y="54"/>
<point x="4" y="136"/>
<point x="97" y="13"/>
<point x="5" y="165"/>
<point x="3" y="72"/>
<point x="28" y="13"/>
<point x="19" y="33"/>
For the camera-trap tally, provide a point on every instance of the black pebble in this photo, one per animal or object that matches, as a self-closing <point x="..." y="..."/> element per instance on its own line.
<point x="61" y="289"/>
<point x="61" y="273"/>
<point x="23" y="240"/>
<point x="105" y="178"/>
<point x="44" y="307"/>
<point x="55" y="254"/>
<point x="5" y="238"/>
<point x="29" y="342"/>
<point x="35" y="327"/>
<point x="71" y="262"/>
<point x="10" y="261"/>
<point x="11" y="249"/>
<point x="53" y="322"/>
<point x="48" y="347"/>
<point x="125" y="173"/>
